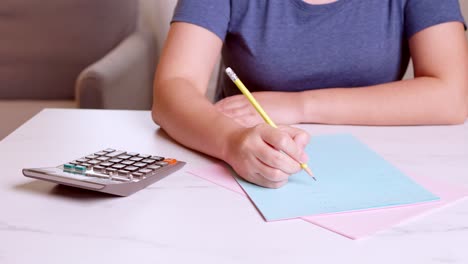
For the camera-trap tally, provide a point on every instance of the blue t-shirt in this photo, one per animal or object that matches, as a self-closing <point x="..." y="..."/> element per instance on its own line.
<point x="290" y="45"/>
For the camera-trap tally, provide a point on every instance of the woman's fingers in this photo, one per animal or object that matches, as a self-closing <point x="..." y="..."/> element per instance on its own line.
<point x="274" y="158"/>
<point x="264" y="182"/>
<point x="282" y="141"/>
<point x="262" y="175"/>
<point x="274" y="174"/>
<point x="301" y="137"/>
<point x="267" y="156"/>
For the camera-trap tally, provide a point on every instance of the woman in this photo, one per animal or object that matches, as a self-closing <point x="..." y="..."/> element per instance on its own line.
<point x="307" y="61"/>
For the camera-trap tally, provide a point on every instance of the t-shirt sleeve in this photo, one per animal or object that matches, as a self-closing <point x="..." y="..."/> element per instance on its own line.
<point x="213" y="15"/>
<point x="421" y="14"/>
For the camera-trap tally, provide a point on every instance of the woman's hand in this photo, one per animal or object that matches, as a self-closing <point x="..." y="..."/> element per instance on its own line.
<point x="267" y="156"/>
<point x="282" y="107"/>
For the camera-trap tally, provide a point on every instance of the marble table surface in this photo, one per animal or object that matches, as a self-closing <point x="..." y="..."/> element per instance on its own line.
<point x="184" y="219"/>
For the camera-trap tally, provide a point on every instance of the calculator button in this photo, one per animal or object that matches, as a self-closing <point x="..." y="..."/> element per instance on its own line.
<point x="74" y="163"/>
<point x="109" y="150"/>
<point x="131" y="168"/>
<point x="148" y="161"/>
<point x="157" y="158"/>
<point x="92" y="157"/>
<point x="132" y="154"/>
<point x="87" y="165"/>
<point x="154" y="167"/>
<point x="115" y="154"/>
<point x="82" y="160"/>
<point x="118" y="166"/>
<point x="114" y="160"/>
<point x="171" y="161"/>
<point x="145" y="156"/>
<point x="136" y="159"/>
<point x="100" y="153"/>
<point x="110" y="171"/>
<point x="161" y="163"/>
<point x="123" y="172"/>
<point x="106" y="164"/>
<point x="127" y="162"/>
<point x="93" y="162"/>
<point x="145" y="171"/>
<point x="68" y="167"/>
<point x="99" y="168"/>
<point x="138" y="175"/>
<point x="80" y="169"/>
<point x="103" y="158"/>
<point x="140" y="164"/>
<point x="124" y="156"/>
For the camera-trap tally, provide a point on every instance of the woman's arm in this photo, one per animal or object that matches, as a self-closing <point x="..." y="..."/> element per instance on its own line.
<point x="182" y="76"/>
<point x="181" y="109"/>
<point x="438" y="94"/>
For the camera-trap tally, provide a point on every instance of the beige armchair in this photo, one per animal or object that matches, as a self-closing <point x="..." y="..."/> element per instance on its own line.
<point x="73" y="53"/>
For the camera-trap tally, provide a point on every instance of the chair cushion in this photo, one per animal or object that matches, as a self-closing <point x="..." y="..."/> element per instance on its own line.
<point x="46" y="44"/>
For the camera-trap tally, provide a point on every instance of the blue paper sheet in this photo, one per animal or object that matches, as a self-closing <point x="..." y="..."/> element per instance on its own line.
<point x="350" y="177"/>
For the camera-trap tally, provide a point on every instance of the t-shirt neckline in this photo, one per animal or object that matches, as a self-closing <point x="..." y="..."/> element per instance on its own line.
<point x="316" y="7"/>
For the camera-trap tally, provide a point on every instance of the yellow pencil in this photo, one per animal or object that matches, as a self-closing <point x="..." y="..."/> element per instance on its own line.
<point x="259" y="109"/>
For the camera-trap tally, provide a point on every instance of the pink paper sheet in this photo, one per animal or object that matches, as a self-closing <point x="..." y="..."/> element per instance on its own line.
<point x="353" y="225"/>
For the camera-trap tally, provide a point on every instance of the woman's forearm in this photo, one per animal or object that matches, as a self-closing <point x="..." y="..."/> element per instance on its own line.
<point x="421" y="101"/>
<point x="189" y="118"/>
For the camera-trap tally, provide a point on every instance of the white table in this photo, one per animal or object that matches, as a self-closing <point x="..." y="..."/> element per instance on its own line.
<point x="183" y="219"/>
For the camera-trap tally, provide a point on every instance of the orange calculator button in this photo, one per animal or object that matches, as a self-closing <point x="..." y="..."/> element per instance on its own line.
<point x="170" y="161"/>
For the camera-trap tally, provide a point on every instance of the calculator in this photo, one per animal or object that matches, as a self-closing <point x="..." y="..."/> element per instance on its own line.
<point x="110" y="171"/>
